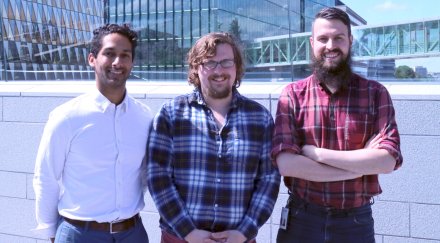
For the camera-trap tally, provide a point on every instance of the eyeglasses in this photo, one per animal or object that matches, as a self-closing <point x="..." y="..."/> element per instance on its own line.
<point x="225" y="63"/>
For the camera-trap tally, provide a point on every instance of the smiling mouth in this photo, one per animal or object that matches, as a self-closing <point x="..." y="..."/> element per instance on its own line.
<point x="117" y="72"/>
<point x="219" y="78"/>
<point x="331" y="55"/>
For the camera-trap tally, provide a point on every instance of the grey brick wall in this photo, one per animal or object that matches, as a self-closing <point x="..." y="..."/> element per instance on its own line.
<point x="407" y="211"/>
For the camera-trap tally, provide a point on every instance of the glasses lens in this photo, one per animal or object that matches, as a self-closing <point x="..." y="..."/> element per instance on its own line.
<point x="210" y="64"/>
<point x="227" y="63"/>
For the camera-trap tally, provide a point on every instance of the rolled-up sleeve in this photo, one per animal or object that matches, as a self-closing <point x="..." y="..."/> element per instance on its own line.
<point x="285" y="137"/>
<point x="386" y="124"/>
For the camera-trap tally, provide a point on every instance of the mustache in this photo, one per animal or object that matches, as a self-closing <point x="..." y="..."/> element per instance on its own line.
<point x="215" y="76"/>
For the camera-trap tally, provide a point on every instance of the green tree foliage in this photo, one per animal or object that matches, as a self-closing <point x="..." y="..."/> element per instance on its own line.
<point x="234" y="29"/>
<point x="404" y="72"/>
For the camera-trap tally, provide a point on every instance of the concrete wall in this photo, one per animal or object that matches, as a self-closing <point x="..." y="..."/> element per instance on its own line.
<point x="407" y="211"/>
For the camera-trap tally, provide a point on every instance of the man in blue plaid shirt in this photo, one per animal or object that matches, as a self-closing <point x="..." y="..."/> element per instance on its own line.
<point x="209" y="168"/>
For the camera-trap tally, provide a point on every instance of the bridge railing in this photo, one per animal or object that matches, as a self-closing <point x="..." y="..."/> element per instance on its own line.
<point x="396" y="41"/>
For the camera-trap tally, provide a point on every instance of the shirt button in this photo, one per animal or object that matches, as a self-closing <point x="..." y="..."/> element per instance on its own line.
<point x="219" y="155"/>
<point x="219" y="180"/>
<point x="216" y="205"/>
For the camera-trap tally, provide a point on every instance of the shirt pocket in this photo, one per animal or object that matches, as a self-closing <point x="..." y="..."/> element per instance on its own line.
<point x="358" y="129"/>
<point x="242" y="151"/>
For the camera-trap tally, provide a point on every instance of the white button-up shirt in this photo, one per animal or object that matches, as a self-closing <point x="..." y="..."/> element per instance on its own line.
<point x="90" y="162"/>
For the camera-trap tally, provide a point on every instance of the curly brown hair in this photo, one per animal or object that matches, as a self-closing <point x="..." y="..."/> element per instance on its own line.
<point x="205" y="47"/>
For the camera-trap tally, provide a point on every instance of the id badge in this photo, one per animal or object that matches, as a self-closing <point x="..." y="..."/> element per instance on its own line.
<point x="284" y="218"/>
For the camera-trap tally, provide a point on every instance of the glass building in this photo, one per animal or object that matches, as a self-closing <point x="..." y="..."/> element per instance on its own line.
<point x="168" y="28"/>
<point x="47" y="39"/>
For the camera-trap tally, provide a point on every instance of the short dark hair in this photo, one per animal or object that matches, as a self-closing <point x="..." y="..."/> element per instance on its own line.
<point x="101" y="32"/>
<point x="205" y="47"/>
<point x="334" y="13"/>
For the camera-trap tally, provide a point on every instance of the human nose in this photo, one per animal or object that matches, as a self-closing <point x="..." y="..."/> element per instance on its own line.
<point x="330" y="44"/>
<point x="217" y="67"/>
<point x="116" y="61"/>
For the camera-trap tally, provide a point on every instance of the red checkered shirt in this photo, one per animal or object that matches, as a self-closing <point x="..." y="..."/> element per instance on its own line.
<point x="309" y="114"/>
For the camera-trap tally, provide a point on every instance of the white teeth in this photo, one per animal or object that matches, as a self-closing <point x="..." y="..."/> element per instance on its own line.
<point x="331" y="55"/>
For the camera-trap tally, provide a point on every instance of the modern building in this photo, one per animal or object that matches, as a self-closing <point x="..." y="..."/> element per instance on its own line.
<point x="47" y="39"/>
<point x="169" y="28"/>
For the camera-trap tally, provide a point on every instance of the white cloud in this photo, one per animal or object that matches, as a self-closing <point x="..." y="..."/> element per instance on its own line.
<point x="390" y="6"/>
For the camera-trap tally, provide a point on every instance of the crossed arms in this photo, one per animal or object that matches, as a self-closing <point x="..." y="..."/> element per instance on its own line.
<point x="325" y="165"/>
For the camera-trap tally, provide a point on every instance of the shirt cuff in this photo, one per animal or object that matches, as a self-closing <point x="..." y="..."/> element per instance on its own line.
<point x="284" y="148"/>
<point x="45" y="231"/>
<point x="393" y="152"/>
<point x="183" y="227"/>
<point x="248" y="228"/>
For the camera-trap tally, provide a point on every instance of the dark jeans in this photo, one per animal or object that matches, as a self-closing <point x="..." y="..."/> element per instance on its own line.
<point x="68" y="233"/>
<point x="309" y="223"/>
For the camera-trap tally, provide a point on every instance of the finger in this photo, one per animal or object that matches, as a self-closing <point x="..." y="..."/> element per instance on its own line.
<point x="377" y="139"/>
<point x="373" y="141"/>
<point x="219" y="235"/>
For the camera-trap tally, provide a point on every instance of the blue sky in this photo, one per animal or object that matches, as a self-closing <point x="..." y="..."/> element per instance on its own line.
<point x="379" y="12"/>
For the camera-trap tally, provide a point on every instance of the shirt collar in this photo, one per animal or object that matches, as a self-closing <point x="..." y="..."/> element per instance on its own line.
<point x="197" y="97"/>
<point x="104" y="104"/>
<point x="351" y="84"/>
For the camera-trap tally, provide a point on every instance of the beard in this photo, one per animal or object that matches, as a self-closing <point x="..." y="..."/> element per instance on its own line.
<point x="337" y="75"/>
<point x="217" y="92"/>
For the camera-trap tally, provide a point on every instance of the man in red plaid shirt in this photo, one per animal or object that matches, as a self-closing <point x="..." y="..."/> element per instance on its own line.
<point x="334" y="133"/>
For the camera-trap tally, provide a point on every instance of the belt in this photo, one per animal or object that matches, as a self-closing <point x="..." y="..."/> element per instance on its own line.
<point x="323" y="210"/>
<point x="108" y="227"/>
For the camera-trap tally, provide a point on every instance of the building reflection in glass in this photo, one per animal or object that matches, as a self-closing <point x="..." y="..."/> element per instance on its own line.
<point x="47" y="39"/>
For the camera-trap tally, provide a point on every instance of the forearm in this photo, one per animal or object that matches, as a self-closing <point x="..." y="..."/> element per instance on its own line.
<point x="298" y="166"/>
<point x="362" y="161"/>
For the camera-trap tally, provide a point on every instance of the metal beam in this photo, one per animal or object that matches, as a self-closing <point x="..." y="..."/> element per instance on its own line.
<point x="397" y="41"/>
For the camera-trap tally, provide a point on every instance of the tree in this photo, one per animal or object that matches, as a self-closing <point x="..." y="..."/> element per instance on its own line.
<point x="404" y="72"/>
<point x="234" y="29"/>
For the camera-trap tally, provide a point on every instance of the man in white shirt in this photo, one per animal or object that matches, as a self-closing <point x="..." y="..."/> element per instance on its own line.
<point x="88" y="179"/>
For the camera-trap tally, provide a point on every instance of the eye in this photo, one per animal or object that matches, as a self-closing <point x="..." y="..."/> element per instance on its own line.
<point x="227" y="63"/>
<point x="323" y="39"/>
<point x="210" y="64"/>
<point x="126" y="55"/>
<point x="108" y="54"/>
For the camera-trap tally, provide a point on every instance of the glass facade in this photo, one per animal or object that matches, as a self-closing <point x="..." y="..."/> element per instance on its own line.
<point x="168" y="28"/>
<point x="47" y="39"/>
